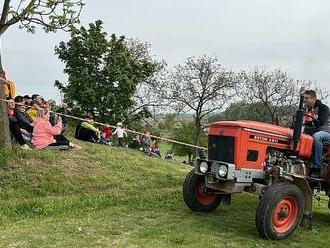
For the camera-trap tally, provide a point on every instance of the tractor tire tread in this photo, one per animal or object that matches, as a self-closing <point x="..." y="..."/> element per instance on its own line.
<point x="189" y="195"/>
<point x="268" y="201"/>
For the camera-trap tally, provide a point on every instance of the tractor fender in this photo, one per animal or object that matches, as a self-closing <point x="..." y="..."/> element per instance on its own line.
<point x="303" y="185"/>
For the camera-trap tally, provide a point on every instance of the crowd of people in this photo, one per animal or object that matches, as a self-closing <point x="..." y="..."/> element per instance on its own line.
<point x="87" y="131"/>
<point x="34" y="124"/>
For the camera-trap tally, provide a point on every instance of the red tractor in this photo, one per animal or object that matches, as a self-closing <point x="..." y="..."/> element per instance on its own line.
<point x="270" y="161"/>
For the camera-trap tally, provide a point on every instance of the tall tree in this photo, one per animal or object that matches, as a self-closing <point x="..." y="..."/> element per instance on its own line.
<point x="200" y="86"/>
<point x="273" y="91"/>
<point x="104" y="74"/>
<point x="144" y="98"/>
<point x="52" y="15"/>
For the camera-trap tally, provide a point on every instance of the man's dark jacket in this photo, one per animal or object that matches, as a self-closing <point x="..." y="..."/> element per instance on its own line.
<point x="322" y="115"/>
<point x="23" y="120"/>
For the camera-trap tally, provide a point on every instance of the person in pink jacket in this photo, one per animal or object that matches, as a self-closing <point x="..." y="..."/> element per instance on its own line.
<point x="44" y="134"/>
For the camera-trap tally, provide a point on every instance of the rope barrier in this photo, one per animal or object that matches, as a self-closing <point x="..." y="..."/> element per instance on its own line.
<point x="108" y="125"/>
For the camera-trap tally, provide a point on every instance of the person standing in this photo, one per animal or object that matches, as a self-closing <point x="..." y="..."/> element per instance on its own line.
<point x="120" y="133"/>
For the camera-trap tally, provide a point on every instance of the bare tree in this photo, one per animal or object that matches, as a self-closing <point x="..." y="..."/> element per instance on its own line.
<point x="145" y="97"/>
<point x="200" y="86"/>
<point x="52" y="15"/>
<point x="275" y="90"/>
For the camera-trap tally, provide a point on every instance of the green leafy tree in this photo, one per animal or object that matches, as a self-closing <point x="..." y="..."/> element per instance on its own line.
<point x="52" y="15"/>
<point x="104" y="74"/>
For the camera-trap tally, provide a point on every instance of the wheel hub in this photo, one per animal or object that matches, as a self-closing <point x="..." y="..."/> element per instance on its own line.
<point x="202" y="194"/>
<point x="285" y="214"/>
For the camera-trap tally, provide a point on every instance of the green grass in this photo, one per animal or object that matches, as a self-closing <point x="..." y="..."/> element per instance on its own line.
<point x="107" y="197"/>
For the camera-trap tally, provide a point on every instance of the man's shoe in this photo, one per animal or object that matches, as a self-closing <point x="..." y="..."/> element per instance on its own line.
<point x="315" y="173"/>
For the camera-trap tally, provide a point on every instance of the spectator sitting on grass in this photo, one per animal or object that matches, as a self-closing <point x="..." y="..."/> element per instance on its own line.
<point x="14" y="127"/>
<point x="86" y="131"/>
<point x="32" y="112"/>
<point x="106" y="135"/>
<point x="45" y="135"/>
<point x="51" y="104"/>
<point x="23" y="119"/>
<point x="27" y="100"/>
<point x="146" y="142"/>
<point x="136" y="143"/>
<point x="39" y="99"/>
<point x="62" y="110"/>
<point x="21" y="115"/>
<point x="154" y="147"/>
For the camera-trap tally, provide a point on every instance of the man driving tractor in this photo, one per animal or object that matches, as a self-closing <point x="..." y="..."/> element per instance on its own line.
<point x="317" y="124"/>
<point x="276" y="163"/>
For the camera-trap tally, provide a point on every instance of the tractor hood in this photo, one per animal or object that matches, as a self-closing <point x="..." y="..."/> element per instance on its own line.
<point x="267" y="135"/>
<point x="257" y="126"/>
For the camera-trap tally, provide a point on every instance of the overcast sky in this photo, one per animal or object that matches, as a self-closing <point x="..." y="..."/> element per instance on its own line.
<point x="293" y="35"/>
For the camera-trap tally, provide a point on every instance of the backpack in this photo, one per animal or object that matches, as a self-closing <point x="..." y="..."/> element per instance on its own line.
<point x="10" y="90"/>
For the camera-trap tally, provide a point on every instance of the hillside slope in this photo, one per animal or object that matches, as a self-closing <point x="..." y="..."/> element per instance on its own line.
<point x="108" y="197"/>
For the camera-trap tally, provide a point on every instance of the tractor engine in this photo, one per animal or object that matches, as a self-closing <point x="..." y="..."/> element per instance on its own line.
<point x="288" y="164"/>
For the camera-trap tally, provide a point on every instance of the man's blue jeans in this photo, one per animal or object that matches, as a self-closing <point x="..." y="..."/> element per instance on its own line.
<point x="319" y="138"/>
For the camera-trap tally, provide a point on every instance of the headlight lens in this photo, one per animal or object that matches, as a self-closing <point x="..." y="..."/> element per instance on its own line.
<point x="223" y="170"/>
<point x="203" y="167"/>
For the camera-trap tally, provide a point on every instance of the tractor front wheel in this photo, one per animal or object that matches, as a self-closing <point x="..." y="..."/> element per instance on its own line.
<point x="280" y="211"/>
<point x="195" y="195"/>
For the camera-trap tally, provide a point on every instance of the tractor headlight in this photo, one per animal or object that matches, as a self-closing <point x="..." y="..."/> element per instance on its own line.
<point x="203" y="167"/>
<point x="223" y="170"/>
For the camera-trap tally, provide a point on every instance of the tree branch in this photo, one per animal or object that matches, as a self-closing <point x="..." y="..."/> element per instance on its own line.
<point x="5" y="11"/>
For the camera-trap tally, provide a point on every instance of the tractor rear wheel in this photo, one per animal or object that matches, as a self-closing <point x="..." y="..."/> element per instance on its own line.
<point x="280" y="211"/>
<point x="194" y="194"/>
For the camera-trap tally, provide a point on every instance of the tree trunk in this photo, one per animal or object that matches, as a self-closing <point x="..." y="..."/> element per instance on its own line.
<point x="5" y="141"/>
<point x="197" y="134"/>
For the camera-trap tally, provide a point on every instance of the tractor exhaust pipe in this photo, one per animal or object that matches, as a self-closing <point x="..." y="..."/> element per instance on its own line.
<point x="298" y="124"/>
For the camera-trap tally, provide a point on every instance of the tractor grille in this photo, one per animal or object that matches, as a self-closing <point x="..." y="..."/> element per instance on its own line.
<point x="221" y="148"/>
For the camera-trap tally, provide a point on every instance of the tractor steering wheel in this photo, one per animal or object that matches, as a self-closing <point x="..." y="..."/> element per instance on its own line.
<point x="314" y="120"/>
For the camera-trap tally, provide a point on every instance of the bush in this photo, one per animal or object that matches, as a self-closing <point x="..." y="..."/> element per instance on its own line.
<point x="185" y="132"/>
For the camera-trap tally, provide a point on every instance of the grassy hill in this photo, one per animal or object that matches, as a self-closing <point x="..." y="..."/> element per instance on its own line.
<point x="108" y="197"/>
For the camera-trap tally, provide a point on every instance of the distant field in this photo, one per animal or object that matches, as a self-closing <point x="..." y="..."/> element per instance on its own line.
<point x="108" y="197"/>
